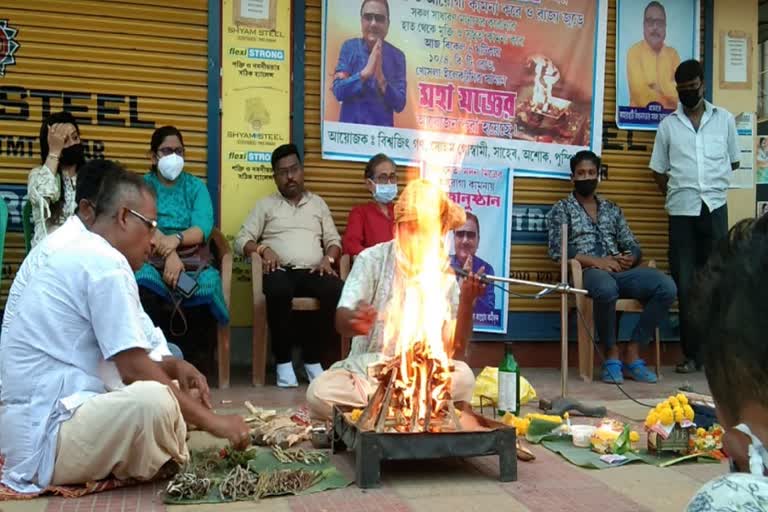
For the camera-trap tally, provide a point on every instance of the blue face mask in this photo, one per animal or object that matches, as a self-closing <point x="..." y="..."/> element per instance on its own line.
<point x="385" y="193"/>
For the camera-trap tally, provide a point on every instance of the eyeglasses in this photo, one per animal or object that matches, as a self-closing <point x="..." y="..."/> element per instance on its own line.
<point x="469" y="235"/>
<point x="655" y="22"/>
<point x="150" y="223"/>
<point x="369" y="17"/>
<point x="285" y="171"/>
<point x="168" y="151"/>
<point x="383" y="179"/>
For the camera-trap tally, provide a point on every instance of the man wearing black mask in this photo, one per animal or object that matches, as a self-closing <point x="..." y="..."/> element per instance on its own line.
<point x="693" y="157"/>
<point x="600" y="239"/>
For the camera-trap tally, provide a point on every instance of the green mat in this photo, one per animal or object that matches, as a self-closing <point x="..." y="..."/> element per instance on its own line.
<point x="263" y="461"/>
<point x="586" y="458"/>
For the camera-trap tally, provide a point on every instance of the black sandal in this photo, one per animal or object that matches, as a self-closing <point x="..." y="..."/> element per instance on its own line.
<point x="688" y="366"/>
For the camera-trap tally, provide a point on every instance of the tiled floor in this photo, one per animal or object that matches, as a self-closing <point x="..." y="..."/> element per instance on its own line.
<point x="549" y="483"/>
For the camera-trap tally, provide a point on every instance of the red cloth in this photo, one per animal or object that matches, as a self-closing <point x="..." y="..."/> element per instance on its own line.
<point x="366" y="227"/>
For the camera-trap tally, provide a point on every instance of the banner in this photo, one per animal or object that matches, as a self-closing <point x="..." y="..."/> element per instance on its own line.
<point x="486" y="195"/>
<point x="517" y="86"/>
<point x="647" y="55"/>
<point x="256" y="96"/>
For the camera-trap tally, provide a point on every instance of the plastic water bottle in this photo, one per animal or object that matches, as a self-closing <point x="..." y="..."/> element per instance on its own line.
<point x="509" y="383"/>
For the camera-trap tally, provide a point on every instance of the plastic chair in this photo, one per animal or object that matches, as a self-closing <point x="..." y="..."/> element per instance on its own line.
<point x="26" y="222"/>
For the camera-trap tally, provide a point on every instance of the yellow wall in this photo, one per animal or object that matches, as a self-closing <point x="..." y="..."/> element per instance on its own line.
<point x="736" y="15"/>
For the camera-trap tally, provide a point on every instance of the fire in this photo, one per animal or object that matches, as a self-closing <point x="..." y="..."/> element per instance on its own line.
<point x="414" y="394"/>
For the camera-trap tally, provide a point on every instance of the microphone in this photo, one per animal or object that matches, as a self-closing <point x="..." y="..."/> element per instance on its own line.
<point x="464" y="273"/>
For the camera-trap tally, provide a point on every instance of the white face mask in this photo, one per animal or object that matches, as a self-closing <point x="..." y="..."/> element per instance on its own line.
<point x="170" y="166"/>
<point x="758" y="455"/>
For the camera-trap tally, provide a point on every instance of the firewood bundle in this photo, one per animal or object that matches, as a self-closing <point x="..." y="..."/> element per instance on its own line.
<point x="414" y="395"/>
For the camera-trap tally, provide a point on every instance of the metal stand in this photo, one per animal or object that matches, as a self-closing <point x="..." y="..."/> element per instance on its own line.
<point x="560" y="404"/>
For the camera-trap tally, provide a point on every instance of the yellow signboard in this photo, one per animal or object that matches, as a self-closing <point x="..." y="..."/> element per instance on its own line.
<point x="256" y="96"/>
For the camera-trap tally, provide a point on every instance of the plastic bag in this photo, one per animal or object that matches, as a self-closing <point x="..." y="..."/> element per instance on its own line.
<point x="487" y="385"/>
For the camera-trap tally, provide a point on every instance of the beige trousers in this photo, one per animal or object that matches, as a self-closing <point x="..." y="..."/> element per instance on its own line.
<point x="129" y="433"/>
<point x="352" y="389"/>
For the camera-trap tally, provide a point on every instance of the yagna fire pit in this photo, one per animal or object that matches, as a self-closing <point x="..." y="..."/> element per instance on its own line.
<point x="478" y="436"/>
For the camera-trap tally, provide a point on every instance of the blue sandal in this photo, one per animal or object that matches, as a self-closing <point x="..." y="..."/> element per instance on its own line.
<point x="612" y="372"/>
<point x="637" y="370"/>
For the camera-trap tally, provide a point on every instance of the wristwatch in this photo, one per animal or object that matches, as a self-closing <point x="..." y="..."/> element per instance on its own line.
<point x="180" y="236"/>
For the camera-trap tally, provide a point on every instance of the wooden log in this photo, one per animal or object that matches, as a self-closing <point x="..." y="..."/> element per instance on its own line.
<point x="384" y="412"/>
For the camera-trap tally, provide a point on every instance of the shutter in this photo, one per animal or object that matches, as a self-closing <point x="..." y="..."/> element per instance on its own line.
<point x="626" y="153"/>
<point x="146" y="60"/>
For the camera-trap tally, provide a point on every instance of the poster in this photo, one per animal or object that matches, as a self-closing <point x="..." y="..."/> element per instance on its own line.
<point x="761" y="162"/>
<point x="256" y="95"/>
<point x="512" y="85"/>
<point x="743" y="177"/>
<point x="486" y="195"/>
<point x="652" y="39"/>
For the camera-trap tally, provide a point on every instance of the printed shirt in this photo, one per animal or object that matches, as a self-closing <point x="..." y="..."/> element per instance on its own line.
<point x="296" y="232"/>
<point x="367" y="226"/>
<point x="736" y="492"/>
<point x="698" y="162"/>
<point x="44" y="188"/>
<point x="645" y="69"/>
<point x="81" y="308"/>
<point x="362" y="101"/>
<point x="609" y="236"/>
<point x="372" y="279"/>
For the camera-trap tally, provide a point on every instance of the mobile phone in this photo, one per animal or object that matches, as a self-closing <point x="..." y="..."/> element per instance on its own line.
<point x="186" y="286"/>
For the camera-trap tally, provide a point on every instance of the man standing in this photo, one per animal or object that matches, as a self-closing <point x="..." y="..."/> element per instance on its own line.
<point x="693" y="157"/>
<point x="650" y="64"/>
<point x="601" y="240"/>
<point x="293" y="232"/>
<point x="58" y="423"/>
<point x="370" y="75"/>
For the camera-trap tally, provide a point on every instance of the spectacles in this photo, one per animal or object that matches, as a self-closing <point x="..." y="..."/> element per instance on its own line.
<point x="469" y="235"/>
<point x="150" y="223"/>
<point x="655" y="22"/>
<point x="168" y="151"/>
<point x="383" y="179"/>
<point x="369" y="17"/>
<point x="282" y="173"/>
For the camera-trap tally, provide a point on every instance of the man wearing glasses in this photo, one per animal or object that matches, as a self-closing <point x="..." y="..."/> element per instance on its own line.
<point x="372" y="223"/>
<point x="651" y="64"/>
<point x="369" y="80"/>
<point x="693" y="157"/>
<point x="293" y="232"/>
<point x="466" y="240"/>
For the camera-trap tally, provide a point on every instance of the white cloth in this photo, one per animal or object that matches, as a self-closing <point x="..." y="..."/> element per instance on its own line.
<point x="44" y="188"/>
<point x="698" y="162"/>
<point x="758" y="454"/>
<point x="371" y="280"/>
<point x="36" y="259"/>
<point x="81" y="308"/>
<point x="736" y="492"/>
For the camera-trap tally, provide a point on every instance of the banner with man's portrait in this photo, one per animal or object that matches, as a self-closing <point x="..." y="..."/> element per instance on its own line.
<point x="482" y="244"/>
<point x="508" y="84"/>
<point x="652" y="39"/>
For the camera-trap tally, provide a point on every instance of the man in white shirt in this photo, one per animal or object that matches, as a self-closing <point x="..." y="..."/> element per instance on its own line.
<point x="693" y="158"/>
<point x="58" y="423"/>
<point x="89" y="180"/>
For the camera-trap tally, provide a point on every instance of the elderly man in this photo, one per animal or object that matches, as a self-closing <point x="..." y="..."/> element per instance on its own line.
<point x="694" y="154"/>
<point x="370" y="76"/>
<point x="293" y="232"/>
<point x="58" y="423"/>
<point x="370" y="291"/>
<point x="651" y="64"/>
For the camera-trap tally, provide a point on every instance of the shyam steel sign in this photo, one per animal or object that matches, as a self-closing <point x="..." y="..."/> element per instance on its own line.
<point x="8" y="46"/>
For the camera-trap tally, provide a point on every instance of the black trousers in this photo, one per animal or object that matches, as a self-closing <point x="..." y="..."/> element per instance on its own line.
<point x="691" y="242"/>
<point x="280" y="287"/>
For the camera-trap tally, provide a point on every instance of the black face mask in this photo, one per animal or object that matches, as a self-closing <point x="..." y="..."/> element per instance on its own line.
<point x="585" y="188"/>
<point x="689" y="98"/>
<point x="72" y="155"/>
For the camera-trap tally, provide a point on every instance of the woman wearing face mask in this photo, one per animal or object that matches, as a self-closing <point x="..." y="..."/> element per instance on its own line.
<point x="372" y="223"/>
<point x="728" y="312"/>
<point x="51" y="186"/>
<point x="184" y="221"/>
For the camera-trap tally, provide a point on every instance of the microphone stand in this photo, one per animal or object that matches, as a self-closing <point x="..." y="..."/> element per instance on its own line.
<point x="561" y="404"/>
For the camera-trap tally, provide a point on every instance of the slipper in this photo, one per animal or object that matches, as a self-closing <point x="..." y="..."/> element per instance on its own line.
<point x="637" y="370"/>
<point x="687" y="366"/>
<point x="612" y="372"/>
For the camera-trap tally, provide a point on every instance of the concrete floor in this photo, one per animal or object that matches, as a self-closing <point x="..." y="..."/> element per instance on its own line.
<point x="549" y="483"/>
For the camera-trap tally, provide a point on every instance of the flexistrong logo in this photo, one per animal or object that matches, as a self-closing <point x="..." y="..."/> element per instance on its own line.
<point x="8" y="46"/>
